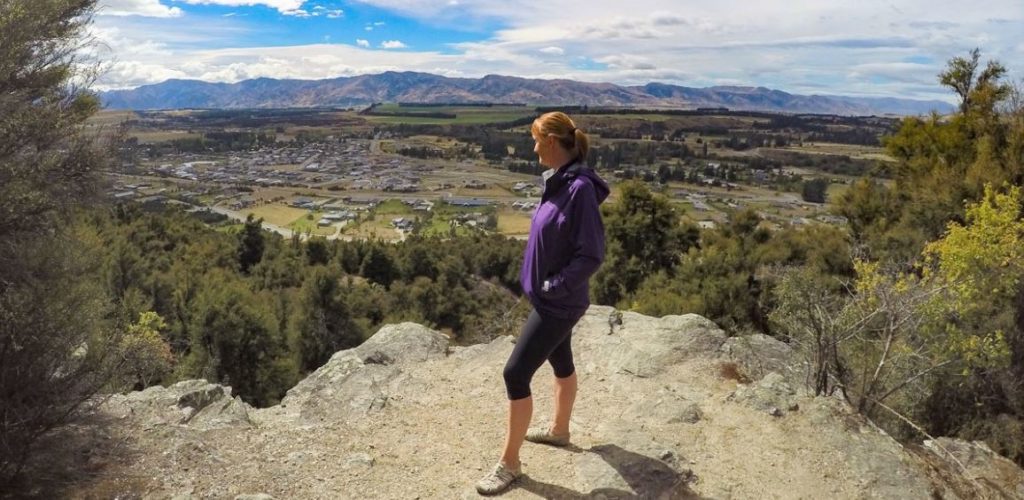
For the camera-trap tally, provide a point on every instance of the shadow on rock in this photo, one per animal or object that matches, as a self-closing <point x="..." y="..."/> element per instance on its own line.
<point x="649" y="478"/>
<point x="73" y="458"/>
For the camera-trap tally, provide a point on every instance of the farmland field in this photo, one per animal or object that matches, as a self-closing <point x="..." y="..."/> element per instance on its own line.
<point x="514" y="222"/>
<point x="463" y="114"/>
<point x="163" y="135"/>
<point x="277" y="214"/>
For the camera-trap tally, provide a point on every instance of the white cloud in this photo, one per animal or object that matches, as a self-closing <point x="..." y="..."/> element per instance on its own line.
<point x="283" y="6"/>
<point x="627" y="61"/>
<point x="392" y="44"/>
<point x="298" y="13"/>
<point x="334" y="14"/>
<point x="362" y="42"/>
<point x="148" y="8"/>
<point x="555" y="51"/>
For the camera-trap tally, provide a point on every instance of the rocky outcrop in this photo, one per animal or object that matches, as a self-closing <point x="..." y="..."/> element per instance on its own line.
<point x="354" y="382"/>
<point x="405" y="415"/>
<point x="192" y="402"/>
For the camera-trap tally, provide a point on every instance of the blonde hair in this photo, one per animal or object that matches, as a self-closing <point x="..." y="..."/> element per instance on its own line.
<point x="559" y="124"/>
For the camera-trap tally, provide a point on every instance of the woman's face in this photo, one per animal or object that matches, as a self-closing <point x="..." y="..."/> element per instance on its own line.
<point x="542" y="146"/>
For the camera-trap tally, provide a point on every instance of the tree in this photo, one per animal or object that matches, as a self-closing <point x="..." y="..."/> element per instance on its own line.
<point x="323" y="321"/>
<point x="378" y="266"/>
<point x="894" y="342"/>
<point x="147" y="354"/>
<point x="815" y="190"/>
<point x="941" y="163"/>
<point x="250" y="243"/>
<point x="985" y="90"/>
<point x="645" y="236"/>
<point x="56" y="347"/>
<point x="235" y="340"/>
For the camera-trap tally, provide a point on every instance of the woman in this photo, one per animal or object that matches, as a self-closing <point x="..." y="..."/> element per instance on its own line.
<point x="565" y="247"/>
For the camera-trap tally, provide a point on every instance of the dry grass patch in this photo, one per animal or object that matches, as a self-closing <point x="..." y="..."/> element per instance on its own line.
<point x="277" y="214"/>
<point x="513" y="222"/>
<point x="163" y="136"/>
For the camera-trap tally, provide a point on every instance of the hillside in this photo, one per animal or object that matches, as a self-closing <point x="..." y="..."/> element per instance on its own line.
<point x="427" y="88"/>
<point x="660" y="415"/>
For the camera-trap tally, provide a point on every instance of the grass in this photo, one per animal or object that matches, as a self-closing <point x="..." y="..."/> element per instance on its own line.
<point x="464" y="114"/>
<point x="392" y="208"/>
<point x="514" y="222"/>
<point x="852" y="150"/>
<point x="306" y="223"/>
<point x="441" y="227"/>
<point x="277" y="214"/>
<point x="162" y="136"/>
<point x="377" y="228"/>
<point x="229" y="228"/>
<point x="834" y="191"/>
<point x="110" y="117"/>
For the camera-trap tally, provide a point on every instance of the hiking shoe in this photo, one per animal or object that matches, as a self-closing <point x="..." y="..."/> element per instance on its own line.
<point x="497" y="480"/>
<point x="544" y="436"/>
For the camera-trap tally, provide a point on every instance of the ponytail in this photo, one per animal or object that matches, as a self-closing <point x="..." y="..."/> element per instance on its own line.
<point x="582" y="144"/>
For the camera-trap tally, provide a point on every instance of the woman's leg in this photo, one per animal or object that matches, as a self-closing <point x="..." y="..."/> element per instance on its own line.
<point x="565" y="386"/>
<point x="565" y="396"/>
<point x="539" y="338"/>
<point x="520" y="411"/>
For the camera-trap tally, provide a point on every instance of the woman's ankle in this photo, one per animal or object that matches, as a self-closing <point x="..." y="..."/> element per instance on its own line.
<point x="515" y="466"/>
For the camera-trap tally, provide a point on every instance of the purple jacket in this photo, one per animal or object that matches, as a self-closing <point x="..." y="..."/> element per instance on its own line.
<point x="566" y="243"/>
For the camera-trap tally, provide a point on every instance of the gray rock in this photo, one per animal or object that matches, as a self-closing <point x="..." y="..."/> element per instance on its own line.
<point x="257" y="496"/>
<point x="198" y="394"/>
<point x="758" y="355"/>
<point x="196" y="403"/>
<point x="359" y="460"/>
<point x="666" y="407"/>
<point x="354" y="382"/>
<point x="643" y="346"/>
<point x="403" y="343"/>
<point x="770" y="395"/>
<point x="987" y="474"/>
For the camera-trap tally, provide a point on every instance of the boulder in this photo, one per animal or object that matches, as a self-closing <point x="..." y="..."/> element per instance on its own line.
<point x="643" y="346"/>
<point x="354" y="382"/>
<point x="758" y="354"/>
<point x="983" y="472"/>
<point x="772" y="394"/>
<point x="196" y="403"/>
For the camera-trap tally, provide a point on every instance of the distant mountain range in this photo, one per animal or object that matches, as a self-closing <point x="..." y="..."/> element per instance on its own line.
<point x="414" y="87"/>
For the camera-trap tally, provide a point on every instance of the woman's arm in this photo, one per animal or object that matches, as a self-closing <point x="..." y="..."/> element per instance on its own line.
<point x="587" y="241"/>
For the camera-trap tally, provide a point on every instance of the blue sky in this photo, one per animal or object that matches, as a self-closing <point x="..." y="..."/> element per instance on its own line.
<point x="870" y="48"/>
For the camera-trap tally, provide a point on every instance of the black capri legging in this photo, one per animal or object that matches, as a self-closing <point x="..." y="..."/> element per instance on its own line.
<point x="543" y="338"/>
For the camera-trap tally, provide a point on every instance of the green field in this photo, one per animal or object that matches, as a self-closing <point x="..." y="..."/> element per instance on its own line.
<point x="308" y="224"/>
<point x="108" y="117"/>
<point x="464" y="114"/>
<point x="514" y="222"/>
<point x="277" y="214"/>
<point x="163" y="135"/>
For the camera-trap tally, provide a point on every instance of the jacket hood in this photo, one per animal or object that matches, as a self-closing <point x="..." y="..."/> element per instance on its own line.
<point x="601" y="188"/>
<point x="554" y="179"/>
